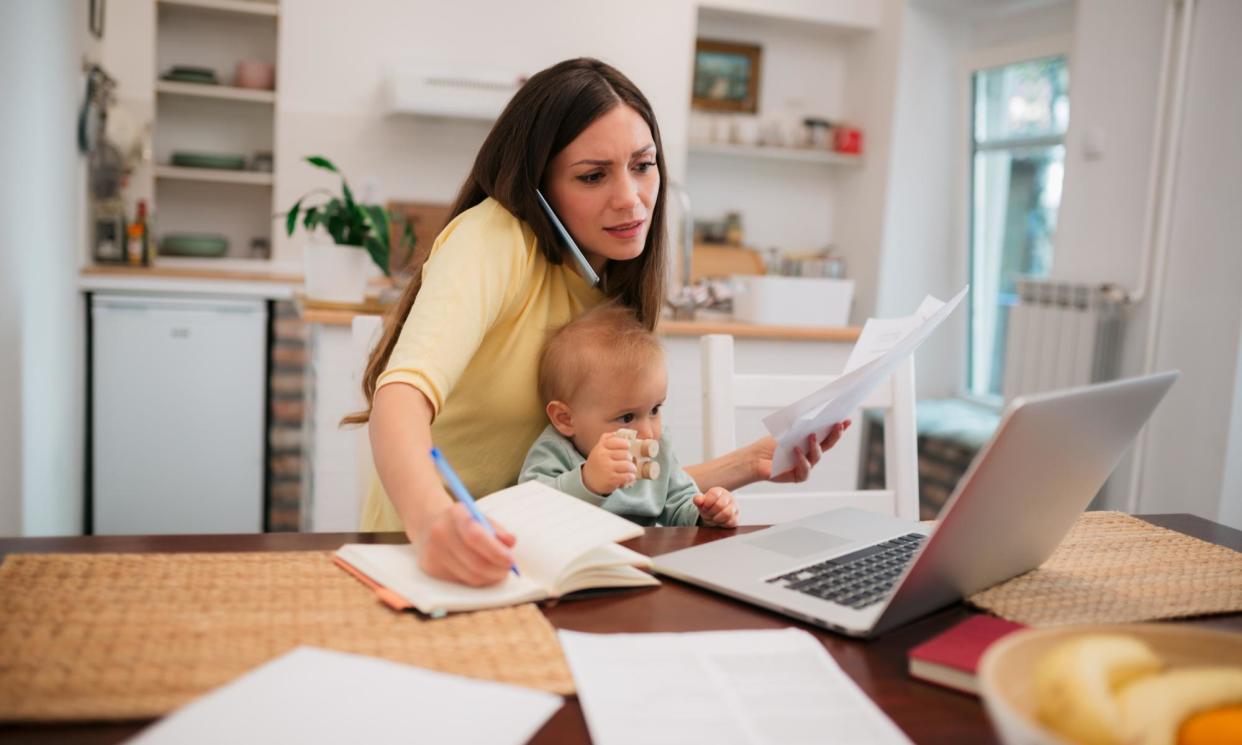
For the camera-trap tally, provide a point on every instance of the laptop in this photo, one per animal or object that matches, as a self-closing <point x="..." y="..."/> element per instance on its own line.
<point x="862" y="573"/>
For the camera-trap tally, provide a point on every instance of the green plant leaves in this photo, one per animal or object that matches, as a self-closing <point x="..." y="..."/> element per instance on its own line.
<point x="291" y="220"/>
<point x="322" y="162"/>
<point x="348" y="222"/>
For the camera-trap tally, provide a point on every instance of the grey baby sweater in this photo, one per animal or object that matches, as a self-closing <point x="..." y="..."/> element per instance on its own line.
<point x="667" y="500"/>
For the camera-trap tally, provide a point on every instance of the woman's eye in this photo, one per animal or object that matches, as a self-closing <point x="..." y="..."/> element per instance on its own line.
<point x="644" y="167"/>
<point x="625" y="418"/>
<point x="590" y="178"/>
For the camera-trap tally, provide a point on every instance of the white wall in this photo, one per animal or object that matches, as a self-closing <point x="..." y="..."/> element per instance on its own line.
<point x="925" y="236"/>
<point x="11" y="82"/>
<point x="1103" y="225"/>
<point x="1200" y="315"/>
<point x="921" y="255"/>
<point x="41" y="329"/>
<point x="870" y="98"/>
<point x="1231" y="482"/>
<point x="340" y="53"/>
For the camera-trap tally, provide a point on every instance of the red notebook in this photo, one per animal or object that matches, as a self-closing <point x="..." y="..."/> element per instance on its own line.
<point x="951" y="658"/>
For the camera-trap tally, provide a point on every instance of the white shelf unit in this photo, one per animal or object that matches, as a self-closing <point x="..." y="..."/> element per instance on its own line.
<point x="214" y="175"/>
<point x="225" y="92"/>
<point x="256" y="8"/>
<point x="803" y="155"/>
<point x="788" y="197"/>
<point x="214" y="119"/>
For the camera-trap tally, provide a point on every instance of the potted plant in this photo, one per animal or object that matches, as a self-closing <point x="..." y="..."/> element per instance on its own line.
<point x="336" y="269"/>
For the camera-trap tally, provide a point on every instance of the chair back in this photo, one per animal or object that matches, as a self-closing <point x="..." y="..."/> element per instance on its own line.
<point x="725" y="391"/>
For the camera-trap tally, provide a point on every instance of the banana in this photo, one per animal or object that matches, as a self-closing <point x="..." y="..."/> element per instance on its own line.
<point x="1154" y="708"/>
<point x="1076" y="682"/>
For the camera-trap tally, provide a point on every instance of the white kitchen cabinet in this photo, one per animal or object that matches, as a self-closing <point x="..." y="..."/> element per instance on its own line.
<point x="178" y="393"/>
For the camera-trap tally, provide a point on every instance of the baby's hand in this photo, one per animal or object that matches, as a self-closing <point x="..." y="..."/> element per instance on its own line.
<point x="717" y="508"/>
<point x="609" y="466"/>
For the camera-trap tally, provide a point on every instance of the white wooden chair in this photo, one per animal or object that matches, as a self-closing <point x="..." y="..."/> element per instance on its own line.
<point x="365" y="331"/>
<point x="725" y="391"/>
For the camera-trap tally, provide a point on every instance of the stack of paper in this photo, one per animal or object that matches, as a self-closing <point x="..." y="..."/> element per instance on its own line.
<point x="721" y="687"/>
<point x="883" y="344"/>
<point x="313" y="696"/>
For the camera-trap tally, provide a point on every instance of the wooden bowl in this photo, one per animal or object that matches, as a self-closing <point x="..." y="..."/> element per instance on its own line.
<point x="1007" y="670"/>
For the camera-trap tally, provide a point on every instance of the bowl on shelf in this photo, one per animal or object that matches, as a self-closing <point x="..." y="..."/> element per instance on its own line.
<point x="199" y="245"/>
<point x="255" y="74"/>
<point x="1007" y="670"/>
<point x="221" y="161"/>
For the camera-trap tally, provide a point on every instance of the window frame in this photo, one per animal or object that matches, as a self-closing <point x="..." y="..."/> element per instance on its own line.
<point x="985" y="59"/>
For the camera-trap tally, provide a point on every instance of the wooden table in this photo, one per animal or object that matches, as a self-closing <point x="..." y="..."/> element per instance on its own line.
<point x="927" y="713"/>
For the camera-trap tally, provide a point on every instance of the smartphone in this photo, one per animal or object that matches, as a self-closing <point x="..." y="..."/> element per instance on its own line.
<point x="574" y="251"/>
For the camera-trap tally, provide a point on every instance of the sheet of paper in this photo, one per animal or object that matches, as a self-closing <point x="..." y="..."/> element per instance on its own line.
<point x="882" y="346"/>
<point x="722" y="687"/>
<point x="311" y="696"/>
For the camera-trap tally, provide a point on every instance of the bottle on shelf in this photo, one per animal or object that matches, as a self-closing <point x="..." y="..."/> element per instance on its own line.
<point x="138" y="238"/>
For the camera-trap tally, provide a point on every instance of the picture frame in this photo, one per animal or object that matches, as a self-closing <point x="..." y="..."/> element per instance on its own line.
<point x="726" y="76"/>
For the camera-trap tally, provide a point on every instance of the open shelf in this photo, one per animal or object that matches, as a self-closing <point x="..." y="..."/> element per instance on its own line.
<point x="803" y="155"/>
<point x="226" y="92"/>
<point x="213" y="175"/>
<point x="234" y="7"/>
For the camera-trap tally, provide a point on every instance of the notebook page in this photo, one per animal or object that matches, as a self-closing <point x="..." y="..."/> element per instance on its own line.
<point x="311" y="696"/>
<point x="553" y="528"/>
<point x="395" y="566"/>
<point x="723" y="687"/>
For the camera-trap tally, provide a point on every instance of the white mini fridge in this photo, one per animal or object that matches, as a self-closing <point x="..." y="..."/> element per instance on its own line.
<point x="178" y="397"/>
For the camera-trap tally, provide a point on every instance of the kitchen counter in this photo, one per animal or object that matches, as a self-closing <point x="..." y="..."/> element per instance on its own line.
<point x="176" y="280"/>
<point x="336" y="314"/>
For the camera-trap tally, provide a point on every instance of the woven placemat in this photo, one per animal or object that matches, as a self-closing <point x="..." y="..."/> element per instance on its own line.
<point x="134" y="636"/>
<point x="1114" y="568"/>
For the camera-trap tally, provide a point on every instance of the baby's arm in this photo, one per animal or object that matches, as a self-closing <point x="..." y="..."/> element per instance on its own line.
<point x="686" y="506"/>
<point x="679" y="507"/>
<point x="549" y="463"/>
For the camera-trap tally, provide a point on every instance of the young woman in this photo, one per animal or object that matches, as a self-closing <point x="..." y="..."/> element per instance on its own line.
<point x="458" y="358"/>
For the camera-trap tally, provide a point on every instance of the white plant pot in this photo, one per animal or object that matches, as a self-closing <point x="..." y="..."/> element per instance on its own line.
<point x="336" y="274"/>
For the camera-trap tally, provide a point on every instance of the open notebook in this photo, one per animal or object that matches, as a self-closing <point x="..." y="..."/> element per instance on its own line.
<point x="563" y="545"/>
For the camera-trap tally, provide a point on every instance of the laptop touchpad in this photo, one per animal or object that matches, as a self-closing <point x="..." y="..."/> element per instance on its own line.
<point x="797" y="541"/>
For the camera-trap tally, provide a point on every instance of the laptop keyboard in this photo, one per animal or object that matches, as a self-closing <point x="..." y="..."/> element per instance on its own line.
<point x="858" y="579"/>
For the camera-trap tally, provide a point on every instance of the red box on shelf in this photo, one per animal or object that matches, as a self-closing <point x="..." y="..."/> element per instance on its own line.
<point x="847" y="140"/>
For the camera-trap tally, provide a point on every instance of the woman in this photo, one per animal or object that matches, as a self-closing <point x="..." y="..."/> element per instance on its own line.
<point x="458" y="357"/>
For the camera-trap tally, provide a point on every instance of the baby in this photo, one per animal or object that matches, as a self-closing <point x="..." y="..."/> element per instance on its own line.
<point x="599" y="376"/>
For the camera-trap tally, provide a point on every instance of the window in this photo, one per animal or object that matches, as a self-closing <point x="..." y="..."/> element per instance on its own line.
<point x="1019" y="116"/>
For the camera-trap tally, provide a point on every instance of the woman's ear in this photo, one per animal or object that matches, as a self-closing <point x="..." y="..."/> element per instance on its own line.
<point x="561" y="417"/>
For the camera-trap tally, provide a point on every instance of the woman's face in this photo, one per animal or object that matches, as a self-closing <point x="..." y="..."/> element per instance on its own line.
<point x="603" y="186"/>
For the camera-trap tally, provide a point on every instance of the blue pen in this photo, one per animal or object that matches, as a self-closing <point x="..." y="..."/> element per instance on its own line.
<point x="463" y="495"/>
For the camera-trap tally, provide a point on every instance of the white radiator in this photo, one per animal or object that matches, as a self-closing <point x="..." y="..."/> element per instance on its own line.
<point x="1062" y="335"/>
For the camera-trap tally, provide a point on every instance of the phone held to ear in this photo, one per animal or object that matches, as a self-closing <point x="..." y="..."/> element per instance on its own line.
<point x="574" y="251"/>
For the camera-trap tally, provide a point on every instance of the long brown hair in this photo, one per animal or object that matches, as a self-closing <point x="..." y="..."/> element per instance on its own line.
<point x="546" y="114"/>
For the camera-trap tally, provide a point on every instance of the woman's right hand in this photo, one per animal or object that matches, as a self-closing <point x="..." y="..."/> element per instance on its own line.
<point x="455" y="548"/>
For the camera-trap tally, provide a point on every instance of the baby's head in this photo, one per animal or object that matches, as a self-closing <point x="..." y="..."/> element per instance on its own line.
<point x="602" y="372"/>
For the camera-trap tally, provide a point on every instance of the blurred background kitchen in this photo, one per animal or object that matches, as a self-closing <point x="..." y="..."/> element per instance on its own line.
<point x="174" y="360"/>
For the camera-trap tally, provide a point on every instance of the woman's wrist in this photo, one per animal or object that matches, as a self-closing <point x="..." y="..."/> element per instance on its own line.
<point x="418" y="521"/>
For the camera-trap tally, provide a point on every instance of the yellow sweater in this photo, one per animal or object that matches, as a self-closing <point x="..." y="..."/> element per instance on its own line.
<point x="471" y="344"/>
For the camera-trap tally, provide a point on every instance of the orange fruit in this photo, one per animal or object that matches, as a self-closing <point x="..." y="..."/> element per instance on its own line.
<point x="1214" y="727"/>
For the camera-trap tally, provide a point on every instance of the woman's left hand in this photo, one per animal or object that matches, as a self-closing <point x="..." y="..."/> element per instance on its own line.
<point x="765" y="448"/>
